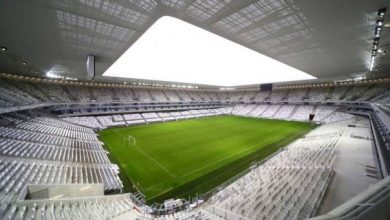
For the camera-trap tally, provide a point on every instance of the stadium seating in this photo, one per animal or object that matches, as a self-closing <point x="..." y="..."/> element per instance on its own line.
<point x="107" y="121"/>
<point x="151" y="117"/>
<point x="297" y="95"/>
<point x="100" y="122"/>
<point x="45" y="150"/>
<point x="302" y="113"/>
<point x="40" y="148"/>
<point x="284" y="112"/>
<point x="87" y="121"/>
<point x="258" y="111"/>
<point x="83" y="208"/>
<point x="21" y="93"/>
<point x="271" y="111"/>
<point x="287" y="186"/>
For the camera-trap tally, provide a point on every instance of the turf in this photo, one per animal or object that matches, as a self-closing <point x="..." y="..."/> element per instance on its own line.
<point x="183" y="158"/>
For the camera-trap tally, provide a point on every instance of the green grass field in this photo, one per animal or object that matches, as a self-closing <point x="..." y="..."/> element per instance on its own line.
<point x="182" y="158"/>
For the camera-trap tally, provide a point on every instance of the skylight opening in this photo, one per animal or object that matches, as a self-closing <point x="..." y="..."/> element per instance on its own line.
<point x="172" y="50"/>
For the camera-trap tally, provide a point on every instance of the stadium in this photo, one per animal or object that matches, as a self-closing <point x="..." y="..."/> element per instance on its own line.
<point x="194" y="109"/>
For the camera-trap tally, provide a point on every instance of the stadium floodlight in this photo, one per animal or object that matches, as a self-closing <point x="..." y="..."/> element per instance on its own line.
<point x="172" y="50"/>
<point x="372" y="63"/>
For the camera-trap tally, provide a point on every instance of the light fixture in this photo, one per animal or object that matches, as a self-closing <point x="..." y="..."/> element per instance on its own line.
<point x="372" y="62"/>
<point x="50" y="74"/>
<point x="24" y="63"/>
<point x="378" y="29"/>
<point x="4" y="49"/>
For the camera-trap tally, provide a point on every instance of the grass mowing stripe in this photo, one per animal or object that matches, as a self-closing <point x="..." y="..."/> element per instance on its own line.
<point x="201" y="153"/>
<point x="243" y="150"/>
<point x="158" y="164"/>
<point x="216" y="177"/>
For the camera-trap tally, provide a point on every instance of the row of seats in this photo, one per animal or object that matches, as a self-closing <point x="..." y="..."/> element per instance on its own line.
<point x="325" y="114"/>
<point x="16" y="148"/>
<point x="287" y="186"/>
<point x="60" y="124"/>
<point x="19" y="93"/>
<point x="101" y="122"/>
<point x="45" y="150"/>
<point x="103" y="207"/>
<point x="198" y="214"/>
<point x="16" y="173"/>
<point x="31" y="136"/>
<point x="87" y="121"/>
<point x="47" y="129"/>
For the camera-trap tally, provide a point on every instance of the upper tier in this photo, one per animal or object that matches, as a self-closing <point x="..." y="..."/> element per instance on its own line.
<point x="15" y="93"/>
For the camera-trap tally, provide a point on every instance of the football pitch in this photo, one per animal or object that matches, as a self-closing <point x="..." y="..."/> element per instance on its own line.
<point x="183" y="158"/>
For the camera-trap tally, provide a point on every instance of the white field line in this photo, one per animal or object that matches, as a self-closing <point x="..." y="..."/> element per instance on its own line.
<point x="222" y="159"/>
<point x="162" y="167"/>
<point x="193" y="171"/>
<point x="154" y="186"/>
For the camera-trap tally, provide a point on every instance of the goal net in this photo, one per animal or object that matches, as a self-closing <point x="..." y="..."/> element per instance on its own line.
<point x="129" y="140"/>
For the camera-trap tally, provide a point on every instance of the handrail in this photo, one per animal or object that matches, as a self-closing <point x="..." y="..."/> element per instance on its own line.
<point x="357" y="203"/>
<point x="113" y="104"/>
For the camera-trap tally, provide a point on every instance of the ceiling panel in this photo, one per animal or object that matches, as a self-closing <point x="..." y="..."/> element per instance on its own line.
<point x="326" y="39"/>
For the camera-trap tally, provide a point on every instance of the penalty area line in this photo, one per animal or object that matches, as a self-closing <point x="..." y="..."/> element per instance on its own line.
<point x="239" y="152"/>
<point x="160" y="165"/>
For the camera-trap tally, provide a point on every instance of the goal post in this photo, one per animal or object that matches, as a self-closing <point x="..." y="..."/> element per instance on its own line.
<point x="128" y="140"/>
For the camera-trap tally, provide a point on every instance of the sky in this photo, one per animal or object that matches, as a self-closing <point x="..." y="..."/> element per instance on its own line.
<point x="175" y="51"/>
